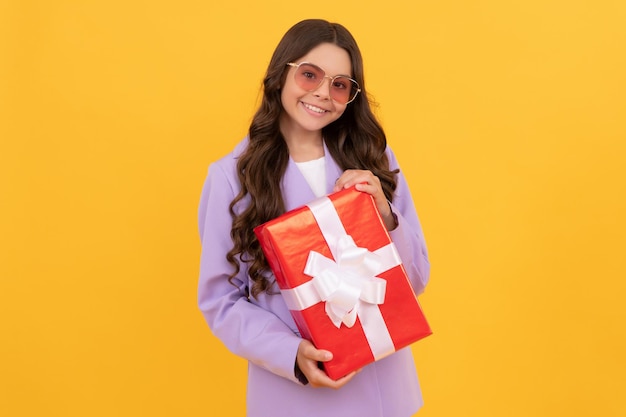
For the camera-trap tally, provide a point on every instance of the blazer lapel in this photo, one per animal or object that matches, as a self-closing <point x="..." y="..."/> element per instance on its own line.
<point x="333" y="171"/>
<point x="296" y="190"/>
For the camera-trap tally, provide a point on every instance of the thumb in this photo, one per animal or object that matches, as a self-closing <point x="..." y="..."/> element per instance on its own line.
<point x="322" y="355"/>
<point x="310" y="352"/>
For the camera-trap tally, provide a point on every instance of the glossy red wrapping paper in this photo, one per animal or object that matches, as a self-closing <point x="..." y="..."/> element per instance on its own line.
<point x="287" y="242"/>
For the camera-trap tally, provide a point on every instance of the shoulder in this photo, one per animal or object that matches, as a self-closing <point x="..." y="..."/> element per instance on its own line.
<point x="222" y="173"/>
<point x="227" y="164"/>
<point x="230" y="159"/>
<point x="221" y="185"/>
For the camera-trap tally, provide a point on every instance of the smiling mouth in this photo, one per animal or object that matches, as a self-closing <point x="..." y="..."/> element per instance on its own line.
<point x="314" y="108"/>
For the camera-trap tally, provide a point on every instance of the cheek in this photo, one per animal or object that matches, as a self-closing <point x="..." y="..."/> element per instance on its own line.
<point x="289" y="91"/>
<point x="340" y="109"/>
<point x="287" y="99"/>
<point x="288" y="96"/>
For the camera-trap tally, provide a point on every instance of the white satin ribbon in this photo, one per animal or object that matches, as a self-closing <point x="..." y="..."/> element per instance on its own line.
<point x="345" y="284"/>
<point x="348" y="285"/>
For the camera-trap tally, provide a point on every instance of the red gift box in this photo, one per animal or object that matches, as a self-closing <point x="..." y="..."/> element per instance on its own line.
<point x="343" y="281"/>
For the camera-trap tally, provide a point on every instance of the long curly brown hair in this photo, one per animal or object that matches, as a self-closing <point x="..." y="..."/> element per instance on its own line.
<point x="355" y="141"/>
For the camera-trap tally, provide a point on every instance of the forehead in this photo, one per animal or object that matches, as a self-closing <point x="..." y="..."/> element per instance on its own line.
<point x="331" y="58"/>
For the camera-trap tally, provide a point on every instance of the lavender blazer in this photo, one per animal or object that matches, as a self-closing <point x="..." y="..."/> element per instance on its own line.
<point x="263" y="331"/>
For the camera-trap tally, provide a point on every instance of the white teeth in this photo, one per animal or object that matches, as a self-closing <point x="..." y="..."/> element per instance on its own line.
<point x="313" y="108"/>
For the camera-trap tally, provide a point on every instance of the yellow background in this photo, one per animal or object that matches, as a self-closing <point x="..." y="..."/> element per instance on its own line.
<point x="507" y="118"/>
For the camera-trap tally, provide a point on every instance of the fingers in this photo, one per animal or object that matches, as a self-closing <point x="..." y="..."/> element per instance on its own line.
<point x="353" y="177"/>
<point x="308" y="358"/>
<point x="340" y="382"/>
<point x="367" y="182"/>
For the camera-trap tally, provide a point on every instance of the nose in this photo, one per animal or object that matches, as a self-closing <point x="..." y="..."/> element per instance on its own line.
<point x="323" y="90"/>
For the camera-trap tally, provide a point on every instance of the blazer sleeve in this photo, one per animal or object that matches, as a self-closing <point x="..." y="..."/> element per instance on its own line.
<point x="408" y="236"/>
<point x="246" y="329"/>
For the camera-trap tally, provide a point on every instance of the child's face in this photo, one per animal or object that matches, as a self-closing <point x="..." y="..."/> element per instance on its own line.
<point x="310" y="111"/>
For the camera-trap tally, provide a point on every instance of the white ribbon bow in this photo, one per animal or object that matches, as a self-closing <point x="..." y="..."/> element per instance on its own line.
<point x="348" y="282"/>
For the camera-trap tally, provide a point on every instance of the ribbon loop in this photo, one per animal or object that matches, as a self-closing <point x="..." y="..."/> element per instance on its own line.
<point x="347" y="281"/>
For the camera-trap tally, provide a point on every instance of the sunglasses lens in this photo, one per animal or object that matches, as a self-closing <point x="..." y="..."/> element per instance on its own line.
<point x="309" y="77"/>
<point x="342" y="89"/>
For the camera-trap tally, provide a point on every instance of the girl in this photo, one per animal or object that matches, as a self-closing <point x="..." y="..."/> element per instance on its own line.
<point x="313" y="134"/>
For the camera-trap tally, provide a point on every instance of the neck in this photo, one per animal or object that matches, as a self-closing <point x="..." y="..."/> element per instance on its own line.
<point x="305" y="150"/>
<point x="304" y="145"/>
